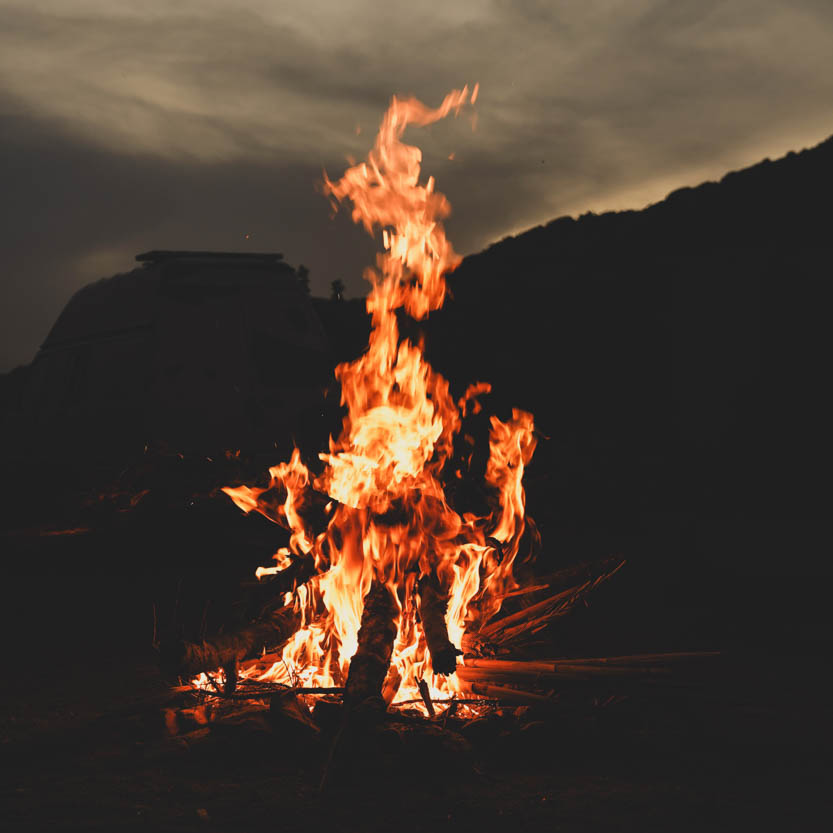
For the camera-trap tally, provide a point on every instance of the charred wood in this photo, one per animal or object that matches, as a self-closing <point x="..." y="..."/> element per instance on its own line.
<point x="551" y="605"/>
<point x="363" y="699"/>
<point x="577" y="574"/>
<point x="425" y="693"/>
<point x="185" y="659"/>
<point x="370" y="664"/>
<point x="393" y="680"/>
<point x="270" y="587"/>
<point x="230" y="674"/>
<point x="525" y="623"/>
<point x="433" y="605"/>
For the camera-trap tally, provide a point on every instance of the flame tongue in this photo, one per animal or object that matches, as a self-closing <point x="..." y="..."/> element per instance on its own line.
<point x="392" y="522"/>
<point x="386" y="193"/>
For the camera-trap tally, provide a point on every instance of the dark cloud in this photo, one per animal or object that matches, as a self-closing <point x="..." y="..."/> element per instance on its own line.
<point x="127" y="126"/>
<point x="81" y="212"/>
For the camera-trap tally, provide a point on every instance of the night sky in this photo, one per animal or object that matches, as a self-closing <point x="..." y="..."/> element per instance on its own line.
<point x="206" y="124"/>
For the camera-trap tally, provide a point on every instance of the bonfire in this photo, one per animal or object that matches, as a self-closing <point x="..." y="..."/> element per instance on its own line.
<point x="388" y="595"/>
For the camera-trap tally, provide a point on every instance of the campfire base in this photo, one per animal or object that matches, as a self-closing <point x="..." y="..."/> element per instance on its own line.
<point x="524" y="716"/>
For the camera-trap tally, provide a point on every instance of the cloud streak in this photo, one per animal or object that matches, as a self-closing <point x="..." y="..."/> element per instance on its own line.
<point x="129" y="126"/>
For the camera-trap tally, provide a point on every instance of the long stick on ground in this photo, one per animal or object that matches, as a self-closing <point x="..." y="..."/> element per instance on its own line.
<point x="507" y="695"/>
<point x="556" y="668"/>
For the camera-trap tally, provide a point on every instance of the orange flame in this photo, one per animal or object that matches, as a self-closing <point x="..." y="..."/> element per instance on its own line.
<point x="389" y="519"/>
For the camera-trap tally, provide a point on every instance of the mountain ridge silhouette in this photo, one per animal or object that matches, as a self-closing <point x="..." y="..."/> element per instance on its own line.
<point x="674" y="357"/>
<point x="795" y="174"/>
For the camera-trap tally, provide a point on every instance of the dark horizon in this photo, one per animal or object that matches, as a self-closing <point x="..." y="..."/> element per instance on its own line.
<point x="321" y="290"/>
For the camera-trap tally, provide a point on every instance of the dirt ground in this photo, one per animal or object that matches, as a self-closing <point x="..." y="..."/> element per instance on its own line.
<point x="83" y="744"/>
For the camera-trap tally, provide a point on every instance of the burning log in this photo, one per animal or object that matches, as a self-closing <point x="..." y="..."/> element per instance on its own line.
<point x="366" y="687"/>
<point x="391" y="685"/>
<point x="433" y="605"/>
<point x="425" y="693"/>
<point x="379" y="499"/>
<point x="230" y="674"/>
<point x="370" y="664"/>
<point x="186" y="659"/>
<point x="273" y="585"/>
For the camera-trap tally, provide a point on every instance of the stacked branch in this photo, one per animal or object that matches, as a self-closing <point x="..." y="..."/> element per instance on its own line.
<point x="641" y="672"/>
<point x="187" y="659"/>
<point x="262" y="594"/>
<point x="372" y="680"/>
<point x="516" y="629"/>
<point x="275" y="625"/>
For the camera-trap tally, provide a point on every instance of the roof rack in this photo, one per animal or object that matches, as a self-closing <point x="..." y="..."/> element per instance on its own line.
<point x="163" y="255"/>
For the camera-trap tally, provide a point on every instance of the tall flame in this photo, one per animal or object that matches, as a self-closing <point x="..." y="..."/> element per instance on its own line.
<point x="389" y="519"/>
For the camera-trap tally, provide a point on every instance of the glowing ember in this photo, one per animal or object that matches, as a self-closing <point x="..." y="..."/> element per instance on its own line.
<point x="388" y="521"/>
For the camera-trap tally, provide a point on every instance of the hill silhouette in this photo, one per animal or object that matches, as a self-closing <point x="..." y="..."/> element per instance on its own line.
<point x="675" y="356"/>
<point x="676" y="361"/>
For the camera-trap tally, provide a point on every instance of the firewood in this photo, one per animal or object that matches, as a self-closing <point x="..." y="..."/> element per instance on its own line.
<point x="186" y="659"/>
<point x="551" y="605"/>
<point x="672" y="657"/>
<point x="230" y="674"/>
<point x="276" y="624"/>
<point x="368" y="669"/>
<point x="562" y="679"/>
<point x="578" y="574"/>
<point x="272" y="586"/>
<point x="507" y="695"/>
<point x="525" y="591"/>
<point x="529" y="627"/>
<point x="425" y="693"/>
<point x="528" y="621"/>
<point x="455" y="701"/>
<point x="433" y="605"/>
<point x="371" y="661"/>
<point x="393" y="680"/>
<point x="637" y="673"/>
<point x="557" y="668"/>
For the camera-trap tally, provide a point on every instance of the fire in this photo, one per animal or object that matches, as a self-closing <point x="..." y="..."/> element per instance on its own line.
<point x="388" y="520"/>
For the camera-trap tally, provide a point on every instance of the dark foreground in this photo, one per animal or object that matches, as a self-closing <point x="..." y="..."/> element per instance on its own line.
<point x="83" y="742"/>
